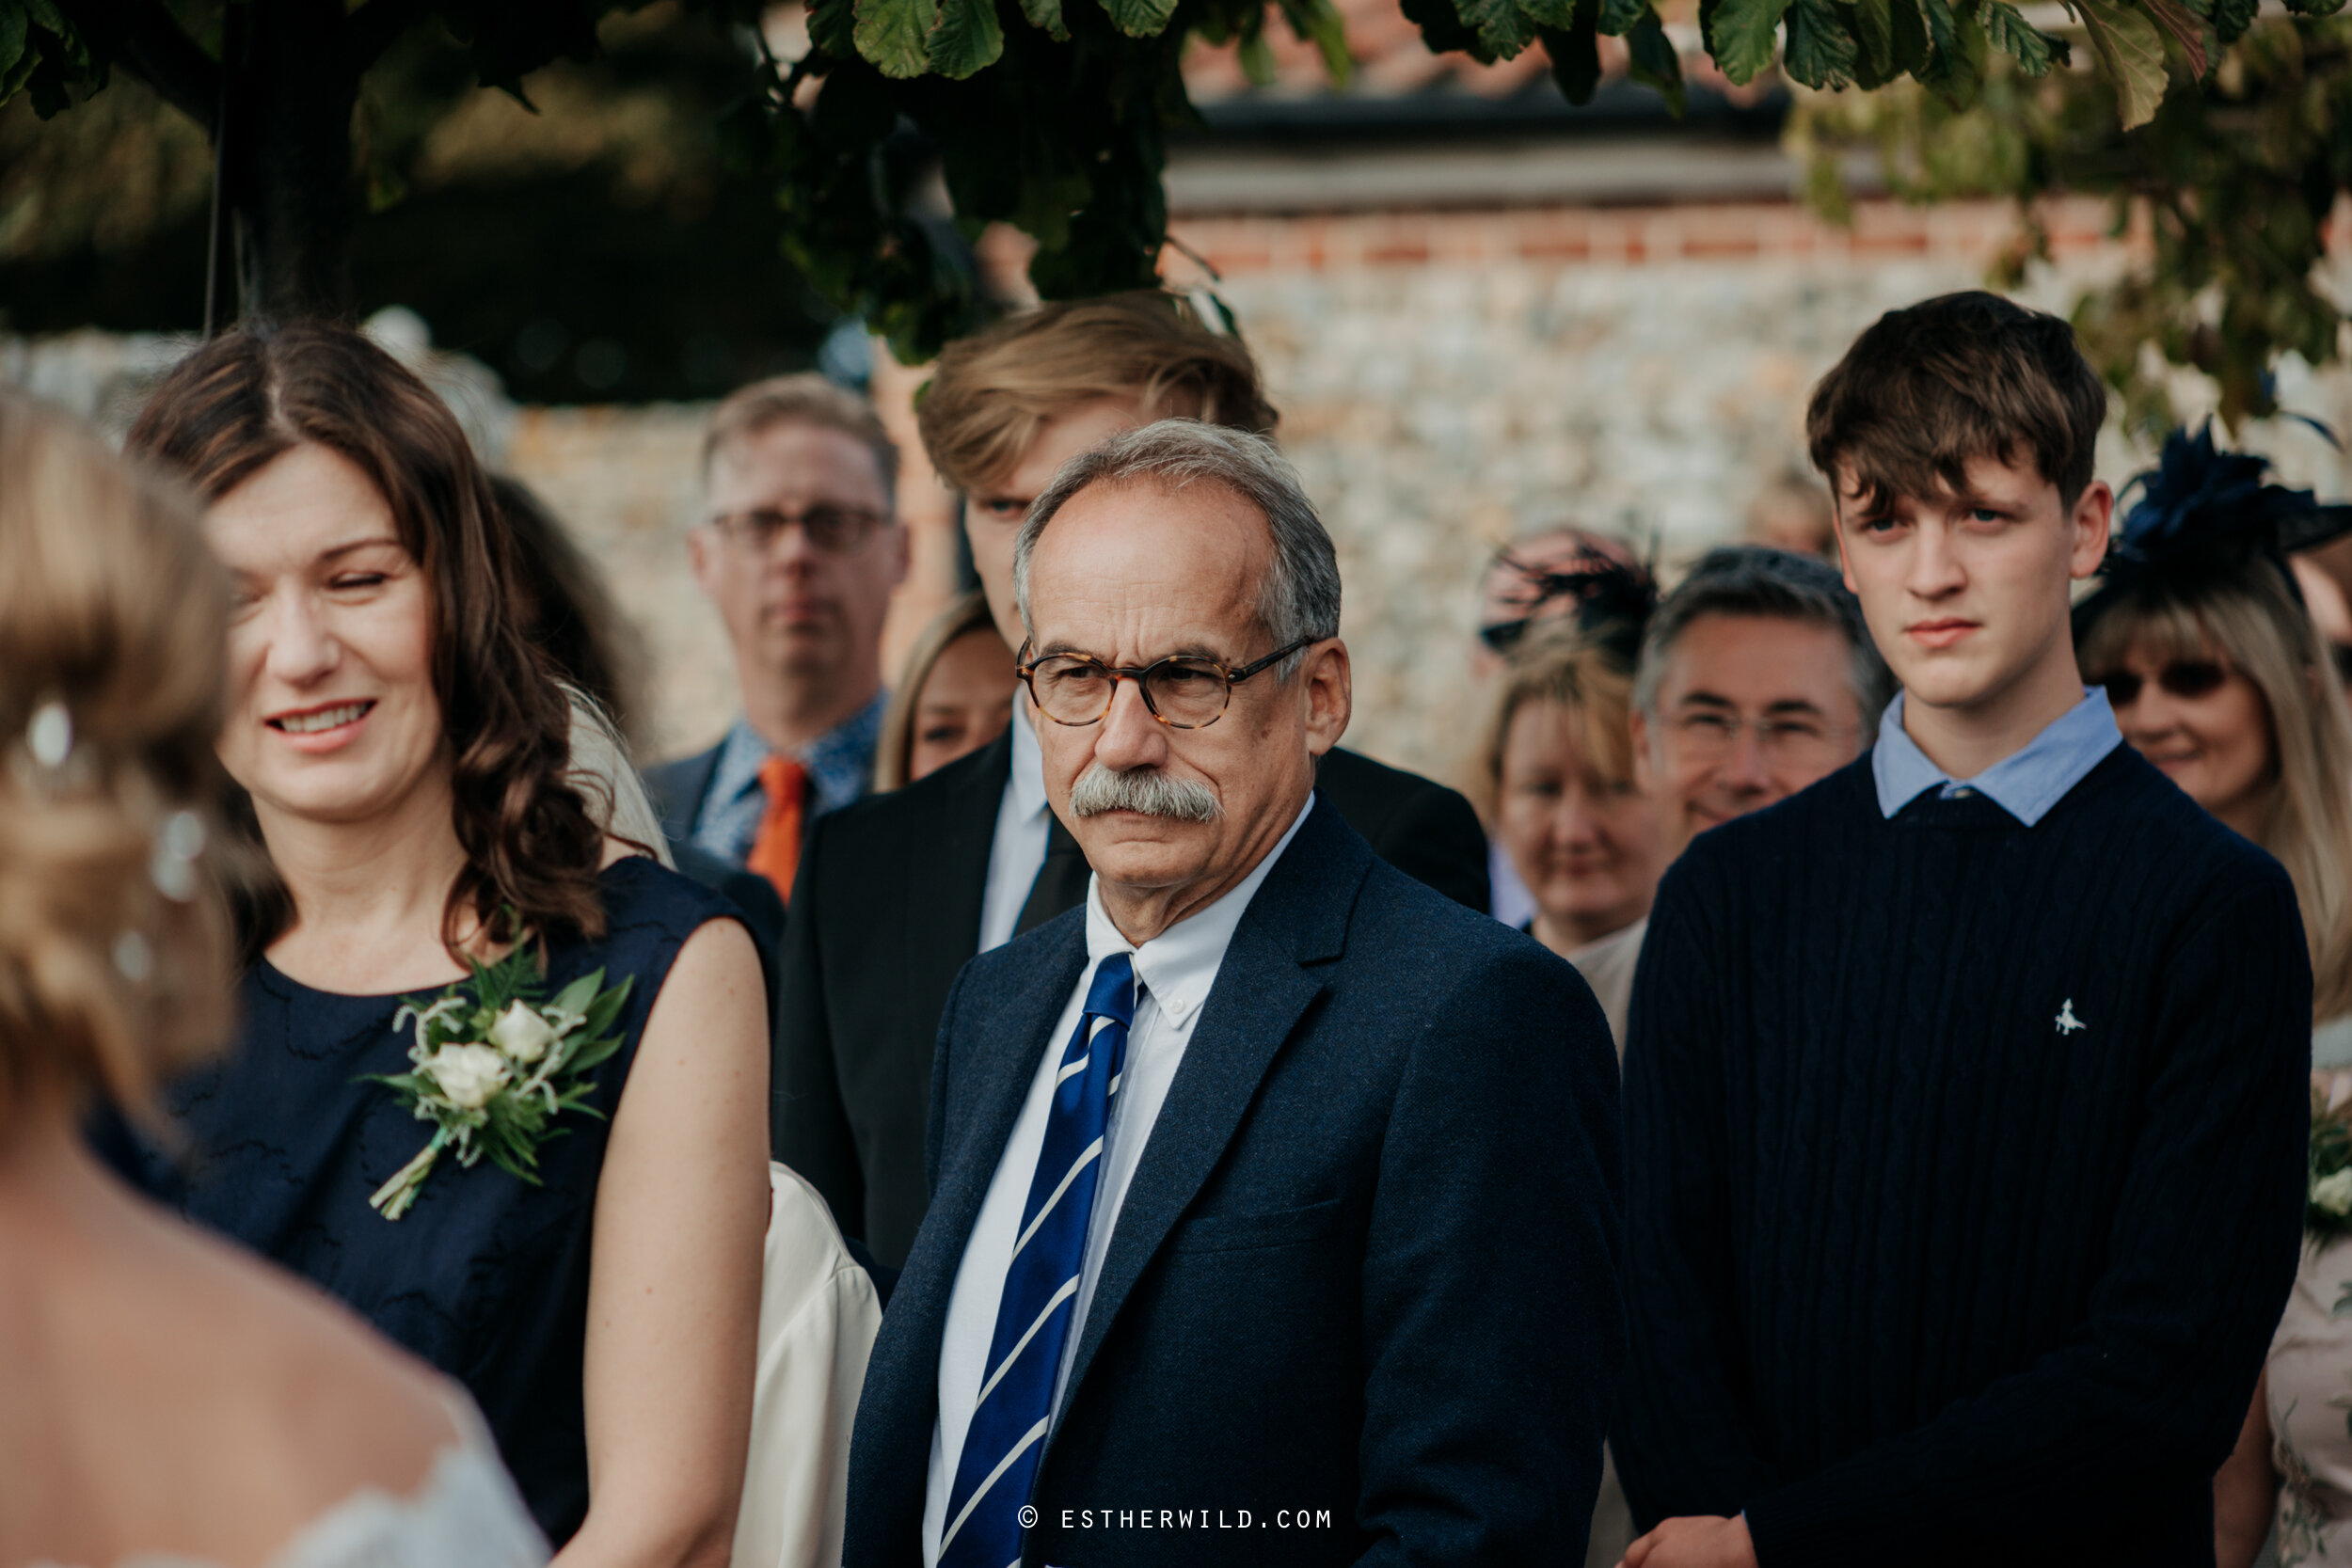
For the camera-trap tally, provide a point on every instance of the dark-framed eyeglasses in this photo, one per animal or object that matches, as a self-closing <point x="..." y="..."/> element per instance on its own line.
<point x="1802" y="739"/>
<point x="833" y="529"/>
<point x="1184" y="693"/>
<point x="2185" y="678"/>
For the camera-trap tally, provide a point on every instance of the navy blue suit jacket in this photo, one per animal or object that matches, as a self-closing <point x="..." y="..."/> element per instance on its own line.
<point x="1367" y="1267"/>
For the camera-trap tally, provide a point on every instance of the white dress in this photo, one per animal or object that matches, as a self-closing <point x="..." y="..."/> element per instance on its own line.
<point x="2309" y="1388"/>
<point x="466" y="1514"/>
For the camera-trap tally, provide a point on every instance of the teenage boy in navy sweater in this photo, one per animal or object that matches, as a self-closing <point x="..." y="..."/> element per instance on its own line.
<point x="1965" y="1091"/>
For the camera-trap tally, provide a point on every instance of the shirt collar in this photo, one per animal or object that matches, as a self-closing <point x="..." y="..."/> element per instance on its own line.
<point x="840" y="762"/>
<point x="1029" y="763"/>
<point x="1180" y="964"/>
<point x="2025" y="783"/>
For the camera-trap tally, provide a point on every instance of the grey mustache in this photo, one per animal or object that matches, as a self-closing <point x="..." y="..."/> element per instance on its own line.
<point x="1142" y="789"/>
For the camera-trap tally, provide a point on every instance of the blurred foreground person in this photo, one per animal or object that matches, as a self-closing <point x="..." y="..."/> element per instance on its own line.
<point x="166" y="1396"/>
<point x="907" y="887"/>
<point x="1236" y="1201"/>
<point x="400" y="751"/>
<point x="2220" y="678"/>
<point x="955" y="697"/>
<point x="1964" y="1092"/>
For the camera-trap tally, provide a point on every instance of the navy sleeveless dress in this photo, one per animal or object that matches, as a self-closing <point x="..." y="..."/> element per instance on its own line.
<point x="485" y="1277"/>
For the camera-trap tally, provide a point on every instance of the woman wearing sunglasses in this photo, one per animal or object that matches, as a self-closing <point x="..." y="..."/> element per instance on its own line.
<point x="2218" y="675"/>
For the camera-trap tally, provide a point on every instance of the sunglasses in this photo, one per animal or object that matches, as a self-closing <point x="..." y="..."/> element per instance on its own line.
<point x="2188" y="677"/>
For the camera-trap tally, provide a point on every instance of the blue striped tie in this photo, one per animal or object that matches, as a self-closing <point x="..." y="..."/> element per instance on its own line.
<point x="1009" y="1420"/>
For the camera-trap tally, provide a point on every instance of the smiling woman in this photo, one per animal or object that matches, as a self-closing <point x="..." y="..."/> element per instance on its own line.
<point x="400" y="748"/>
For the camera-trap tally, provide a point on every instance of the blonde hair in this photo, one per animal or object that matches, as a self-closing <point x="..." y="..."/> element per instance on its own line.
<point x="896" y="751"/>
<point x="1594" y="689"/>
<point x="804" y="399"/>
<point x="993" y="391"/>
<point x="114" y="949"/>
<point x="2254" y="621"/>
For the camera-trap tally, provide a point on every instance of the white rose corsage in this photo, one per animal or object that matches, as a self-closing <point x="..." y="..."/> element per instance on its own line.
<point x="494" y="1067"/>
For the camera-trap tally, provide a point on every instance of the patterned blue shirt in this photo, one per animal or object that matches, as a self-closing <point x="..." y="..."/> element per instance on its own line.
<point x="2025" y="783"/>
<point x="840" y="764"/>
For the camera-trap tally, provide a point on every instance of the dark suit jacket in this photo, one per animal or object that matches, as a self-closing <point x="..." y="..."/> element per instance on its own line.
<point x="886" y="909"/>
<point x="1368" y="1263"/>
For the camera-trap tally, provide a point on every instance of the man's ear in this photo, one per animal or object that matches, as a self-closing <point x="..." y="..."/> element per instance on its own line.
<point x="1326" y="687"/>
<point x="1645" y="770"/>
<point x="2094" y="516"/>
<point x="699" y="558"/>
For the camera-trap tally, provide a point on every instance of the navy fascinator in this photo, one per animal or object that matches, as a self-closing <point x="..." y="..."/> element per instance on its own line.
<point x="2203" y="513"/>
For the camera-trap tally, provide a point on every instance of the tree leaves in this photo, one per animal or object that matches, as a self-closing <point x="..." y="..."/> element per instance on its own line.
<point x="1140" y="18"/>
<point x="2131" y="52"/>
<point x="1654" y="62"/>
<point x="1576" y="53"/>
<point x="896" y="35"/>
<point x="1821" y="54"/>
<point x="2035" y="51"/>
<point x="1740" y="34"/>
<point x="967" y="38"/>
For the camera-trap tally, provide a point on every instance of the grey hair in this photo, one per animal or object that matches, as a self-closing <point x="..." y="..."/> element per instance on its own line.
<point x="1755" y="580"/>
<point x="1299" y="597"/>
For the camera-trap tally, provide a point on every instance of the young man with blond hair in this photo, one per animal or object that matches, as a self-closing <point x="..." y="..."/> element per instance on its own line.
<point x="1964" y="1099"/>
<point x="898" y="892"/>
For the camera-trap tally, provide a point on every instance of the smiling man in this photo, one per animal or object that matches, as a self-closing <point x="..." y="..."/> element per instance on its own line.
<point x="1275" y="1193"/>
<point x="1964" y="1099"/>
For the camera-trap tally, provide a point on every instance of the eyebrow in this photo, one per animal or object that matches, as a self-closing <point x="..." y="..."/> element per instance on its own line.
<point x="1785" y="705"/>
<point x="343" y="550"/>
<point x="1194" y="650"/>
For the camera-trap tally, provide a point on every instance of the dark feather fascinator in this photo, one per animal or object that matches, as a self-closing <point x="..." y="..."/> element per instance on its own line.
<point x="2204" y="512"/>
<point x="1612" y="599"/>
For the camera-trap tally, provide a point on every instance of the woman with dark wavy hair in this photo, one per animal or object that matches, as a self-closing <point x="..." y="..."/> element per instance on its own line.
<point x="400" y="751"/>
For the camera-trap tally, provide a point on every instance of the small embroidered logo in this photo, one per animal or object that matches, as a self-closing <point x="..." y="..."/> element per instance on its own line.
<point x="2067" y="1021"/>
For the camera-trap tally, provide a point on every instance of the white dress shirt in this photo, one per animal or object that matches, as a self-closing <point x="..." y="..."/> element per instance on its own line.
<point x="1018" y="851"/>
<point x="1174" y="972"/>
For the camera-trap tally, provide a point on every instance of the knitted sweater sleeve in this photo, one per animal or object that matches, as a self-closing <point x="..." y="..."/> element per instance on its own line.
<point x="2152" y="1385"/>
<point x="1684" y="1445"/>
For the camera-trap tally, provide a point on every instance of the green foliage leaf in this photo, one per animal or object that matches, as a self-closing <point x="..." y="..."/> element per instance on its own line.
<point x="1655" y="62"/>
<point x="1956" y="54"/>
<point x="1319" y="22"/>
<point x="1821" y="52"/>
<point x="2184" y="29"/>
<point x="2131" y="52"/>
<point x="1504" y="29"/>
<point x="1140" y="18"/>
<point x="894" y="34"/>
<point x="1740" y="34"/>
<point x="1046" y="16"/>
<point x="1620" y="17"/>
<point x="1443" y="31"/>
<point x="2230" y="18"/>
<point x="1873" y="25"/>
<point x="1910" y="33"/>
<point x="1576" y="55"/>
<point x="2035" y="51"/>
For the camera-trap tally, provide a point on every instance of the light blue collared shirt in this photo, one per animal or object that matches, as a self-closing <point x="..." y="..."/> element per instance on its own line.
<point x="2025" y="783"/>
<point x="840" y="763"/>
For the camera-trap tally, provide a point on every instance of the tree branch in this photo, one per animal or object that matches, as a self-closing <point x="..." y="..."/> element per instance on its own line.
<point x="143" y="39"/>
<point x="374" y="27"/>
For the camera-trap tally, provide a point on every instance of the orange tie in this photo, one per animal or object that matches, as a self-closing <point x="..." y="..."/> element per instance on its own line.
<point x="776" y="849"/>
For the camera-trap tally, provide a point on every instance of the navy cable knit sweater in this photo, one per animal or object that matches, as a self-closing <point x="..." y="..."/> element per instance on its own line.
<point x="1964" y="1173"/>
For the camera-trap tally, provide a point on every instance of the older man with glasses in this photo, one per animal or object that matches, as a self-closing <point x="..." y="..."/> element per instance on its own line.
<point x="798" y="547"/>
<point x="1274" y="1213"/>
